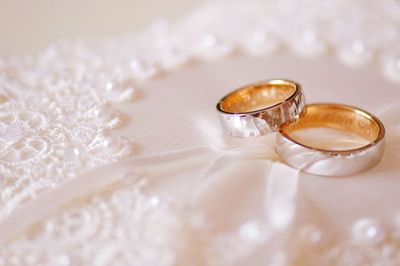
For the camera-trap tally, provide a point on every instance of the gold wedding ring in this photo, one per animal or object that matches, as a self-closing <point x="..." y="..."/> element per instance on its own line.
<point x="332" y="161"/>
<point x="260" y="108"/>
<point x="279" y="105"/>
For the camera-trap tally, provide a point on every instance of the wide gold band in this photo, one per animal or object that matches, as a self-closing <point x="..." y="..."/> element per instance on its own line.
<point x="260" y="108"/>
<point x="313" y="159"/>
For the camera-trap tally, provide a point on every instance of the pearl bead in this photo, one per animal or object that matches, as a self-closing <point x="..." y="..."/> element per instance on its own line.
<point x="117" y="93"/>
<point x="358" y="47"/>
<point x="312" y="235"/>
<point x="143" y="70"/>
<point x="126" y="95"/>
<point x="261" y="43"/>
<point x="109" y="86"/>
<point x="309" y="44"/>
<point x="368" y="231"/>
<point x="115" y="147"/>
<point x="111" y="144"/>
<point x="210" y="47"/>
<point x="251" y="232"/>
<point x="209" y="40"/>
<point x="154" y="201"/>
<point x="106" y="118"/>
<point x="356" y="54"/>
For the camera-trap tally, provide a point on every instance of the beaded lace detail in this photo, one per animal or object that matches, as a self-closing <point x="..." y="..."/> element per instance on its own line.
<point x="57" y="113"/>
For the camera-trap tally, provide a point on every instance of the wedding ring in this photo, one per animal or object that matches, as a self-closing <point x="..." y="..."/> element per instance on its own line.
<point x="260" y="108"/>
<point x="362" y="149"/>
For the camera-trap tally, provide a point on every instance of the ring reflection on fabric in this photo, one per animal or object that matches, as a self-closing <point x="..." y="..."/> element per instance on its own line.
<point x="313" y="158"/>
<point x="260" y="108"/>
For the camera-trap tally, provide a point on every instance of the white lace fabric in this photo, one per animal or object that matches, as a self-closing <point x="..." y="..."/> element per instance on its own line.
<point x="112" y="155"/>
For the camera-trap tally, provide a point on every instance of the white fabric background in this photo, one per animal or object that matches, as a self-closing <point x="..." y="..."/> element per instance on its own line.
<point x="196" y="197"/>
<point x="185" y="157"/>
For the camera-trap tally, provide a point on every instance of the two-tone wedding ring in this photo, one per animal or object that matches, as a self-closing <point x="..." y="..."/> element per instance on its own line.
<point x="260" y="108"/>
<point x="322" y="139"/>
<point x="360" y="147"/>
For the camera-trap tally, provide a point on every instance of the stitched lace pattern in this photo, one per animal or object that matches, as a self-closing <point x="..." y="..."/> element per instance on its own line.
<point x="117" y="220"/>
<point x="56" y="107"/>
<point x="57" y="111"/>
<point x="125" y="225"/>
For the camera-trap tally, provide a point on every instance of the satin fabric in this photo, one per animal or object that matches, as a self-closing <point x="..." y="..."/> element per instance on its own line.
<point x="234" y="182"/>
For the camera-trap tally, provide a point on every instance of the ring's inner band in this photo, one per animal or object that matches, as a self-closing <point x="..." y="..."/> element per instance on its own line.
<point x="257" y="97"/>
<point x="337" y="117"/>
